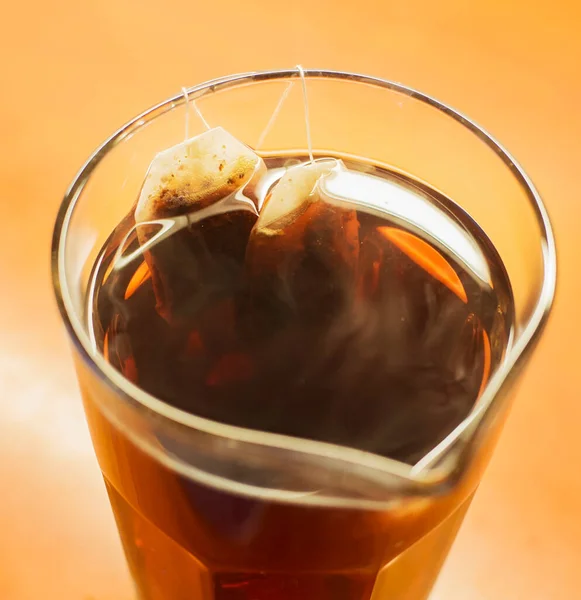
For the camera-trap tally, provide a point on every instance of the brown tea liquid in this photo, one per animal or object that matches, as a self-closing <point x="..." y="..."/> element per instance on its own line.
<point x="375" y="326"/>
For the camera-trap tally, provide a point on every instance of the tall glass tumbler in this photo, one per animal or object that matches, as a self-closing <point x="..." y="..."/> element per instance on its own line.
<point x="199" y="514"/>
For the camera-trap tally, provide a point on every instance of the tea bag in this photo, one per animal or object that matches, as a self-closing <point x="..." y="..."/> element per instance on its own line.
<point x="301" y="269"/>
<point x="303" y="251"/>
<point x="193" y="218"/>
<point x="195" y="174"/>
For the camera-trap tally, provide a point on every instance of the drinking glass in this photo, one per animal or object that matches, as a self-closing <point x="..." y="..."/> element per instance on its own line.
<point x="212" y="511"/>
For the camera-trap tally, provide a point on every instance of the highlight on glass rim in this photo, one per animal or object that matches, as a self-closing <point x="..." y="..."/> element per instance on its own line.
<point x="297" y="333"/>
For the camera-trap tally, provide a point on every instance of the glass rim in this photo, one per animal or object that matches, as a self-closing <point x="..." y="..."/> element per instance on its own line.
<point x="425" y="474"/>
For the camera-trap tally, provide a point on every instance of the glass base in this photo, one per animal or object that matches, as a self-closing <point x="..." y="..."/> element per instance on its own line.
<point x="163" y="570"/>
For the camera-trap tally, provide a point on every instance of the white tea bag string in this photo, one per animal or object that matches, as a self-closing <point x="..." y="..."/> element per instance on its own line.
<point x="187" y="100"/>
<point x="306" y="107"/>
<point x="198" y="112"/>
<point x="274" y="115"/>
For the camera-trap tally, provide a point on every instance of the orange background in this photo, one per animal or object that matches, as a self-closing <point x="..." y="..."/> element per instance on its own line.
<point x="74" y="71"/>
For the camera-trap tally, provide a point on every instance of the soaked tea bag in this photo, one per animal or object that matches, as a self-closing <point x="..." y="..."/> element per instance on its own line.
<point x="193" y="217"/>
<point x="303" y="251"/>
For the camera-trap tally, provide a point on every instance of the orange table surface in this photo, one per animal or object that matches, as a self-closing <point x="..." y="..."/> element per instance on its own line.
<point x="74" y="71"/>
